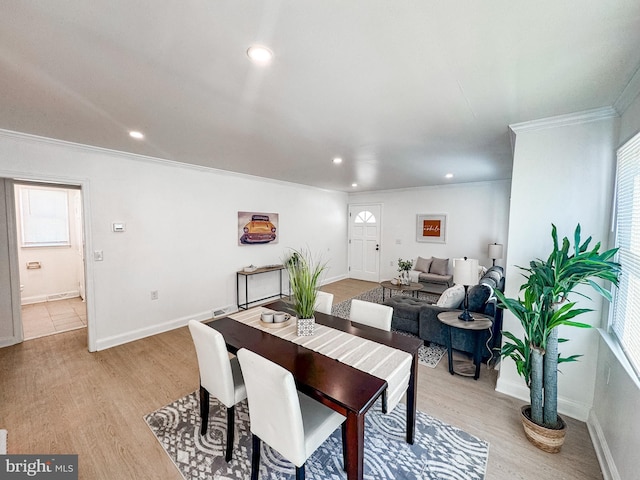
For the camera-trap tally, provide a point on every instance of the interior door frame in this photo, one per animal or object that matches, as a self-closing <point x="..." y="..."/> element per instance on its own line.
<point x="62" y="182"/>
<point x="364" y="204"/>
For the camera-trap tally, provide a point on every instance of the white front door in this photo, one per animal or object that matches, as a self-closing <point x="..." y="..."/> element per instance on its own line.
<point x="364" y="242"/>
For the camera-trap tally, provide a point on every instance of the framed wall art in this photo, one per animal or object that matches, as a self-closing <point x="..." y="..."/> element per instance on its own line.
<point x="257" y="228"/>
<point x="431" y="228"/>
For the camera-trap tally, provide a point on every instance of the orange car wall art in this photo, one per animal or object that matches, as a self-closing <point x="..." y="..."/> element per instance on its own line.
<point x="256" y="228"/>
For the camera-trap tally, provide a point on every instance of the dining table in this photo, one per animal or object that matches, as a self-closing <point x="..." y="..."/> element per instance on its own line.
<point x="346" y="389"/>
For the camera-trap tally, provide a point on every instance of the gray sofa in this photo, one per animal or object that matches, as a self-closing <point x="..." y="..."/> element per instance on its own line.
<point x="420" y="318"/>
<point x="433" y="273"/>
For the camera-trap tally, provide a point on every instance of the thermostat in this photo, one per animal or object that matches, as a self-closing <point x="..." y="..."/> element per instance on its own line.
<point x="119" y="227"/>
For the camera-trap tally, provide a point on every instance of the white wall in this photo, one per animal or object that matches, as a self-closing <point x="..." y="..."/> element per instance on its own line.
<point x="59" y="275"/>
<point x="477" y="214"/>
<point x="563" y="173"/>
<point x="616" y="405"/>
<point x="180" y="238"/>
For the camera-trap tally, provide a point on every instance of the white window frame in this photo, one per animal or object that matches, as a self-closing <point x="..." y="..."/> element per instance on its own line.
<point x="624" y="319"/>
<point x="44" y="217"/>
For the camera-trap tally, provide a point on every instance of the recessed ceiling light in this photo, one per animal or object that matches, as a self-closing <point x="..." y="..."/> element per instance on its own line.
<point x="354" y="184"/>
<point x="136" y="135"/>
<point x="337" y="160"/>
<point x="449" y="175"/>
<point x="260" y="54"/>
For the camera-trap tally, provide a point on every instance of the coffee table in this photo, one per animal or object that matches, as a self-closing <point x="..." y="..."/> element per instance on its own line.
<point x="413" y="287"/>
<point x="479" y="326"/>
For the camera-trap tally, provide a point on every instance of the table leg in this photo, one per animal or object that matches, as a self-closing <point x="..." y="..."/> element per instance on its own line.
<point x="383" y="289"/>
<point x="412" y="394"/>
<point x="477" y="355"/>
<point x="354" y="448"/>
<point x="449" y="349"/>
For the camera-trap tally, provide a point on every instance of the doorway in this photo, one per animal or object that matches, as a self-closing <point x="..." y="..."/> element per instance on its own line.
<point x="364" y="242"/>
<point x="50" y="258"/>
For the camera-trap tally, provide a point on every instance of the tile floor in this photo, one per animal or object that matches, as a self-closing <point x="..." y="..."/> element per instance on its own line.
<point x="47" y="318"/>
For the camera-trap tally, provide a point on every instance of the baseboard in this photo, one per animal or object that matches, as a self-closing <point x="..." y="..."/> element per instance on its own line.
<point x="572" y="409"/>
<point x="599" y="440"/>
<point x="49" y="297"/>
<point x="115" y="340"/>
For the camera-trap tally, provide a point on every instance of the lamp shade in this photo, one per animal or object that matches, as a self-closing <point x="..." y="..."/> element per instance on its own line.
<point x="495" y="251"/>
<point x="465" y="271"/>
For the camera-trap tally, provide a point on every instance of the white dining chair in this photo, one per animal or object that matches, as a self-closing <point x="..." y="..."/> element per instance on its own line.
<point x="324" y="302"/>
<point x="371" y="314"/>
<point x="220" y="376"/>
<point x="290" y="422"/>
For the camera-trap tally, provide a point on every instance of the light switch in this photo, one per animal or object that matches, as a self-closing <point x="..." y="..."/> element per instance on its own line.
<point x="98" y="256"/>
<point x="119" y="227"/>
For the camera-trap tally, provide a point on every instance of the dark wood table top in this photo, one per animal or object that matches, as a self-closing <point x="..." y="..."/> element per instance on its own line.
<point x="316" y="375"/>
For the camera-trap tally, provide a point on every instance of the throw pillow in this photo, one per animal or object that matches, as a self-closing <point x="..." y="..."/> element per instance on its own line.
<point x="478" y="296"/>
<point x="451" y="297"/>
<point x="423" y="264"/>
<point x="439" y="266"/>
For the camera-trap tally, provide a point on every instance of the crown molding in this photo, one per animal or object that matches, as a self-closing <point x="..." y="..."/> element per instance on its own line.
<point x="586" y="116"/>
<point x="628" y="94"/>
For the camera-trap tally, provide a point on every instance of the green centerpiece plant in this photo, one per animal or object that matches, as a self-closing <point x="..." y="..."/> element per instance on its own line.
<point x="545" y="306"/>
<point x="403" y="269"/>
<point x="304" y="274"/>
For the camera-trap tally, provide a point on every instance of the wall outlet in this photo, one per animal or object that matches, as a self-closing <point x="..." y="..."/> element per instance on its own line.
<point x="391" y="263"/>
<point x="154" y="294"/>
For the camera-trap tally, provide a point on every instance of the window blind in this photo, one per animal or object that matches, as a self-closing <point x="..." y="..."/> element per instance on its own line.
<point x="625" y="322"/>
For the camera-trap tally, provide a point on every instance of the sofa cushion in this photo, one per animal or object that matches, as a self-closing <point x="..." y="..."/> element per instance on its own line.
<point x="434" y="278"/>
<point x="452" y="297"/>
<point x="423" y="264"/>
<point x="478" y="296"/>
<point x="439" y="266"/>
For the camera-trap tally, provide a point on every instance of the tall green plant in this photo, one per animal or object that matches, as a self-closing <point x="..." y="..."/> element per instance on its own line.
<point x="304" y="274"/>
<point x="545" y="307"/>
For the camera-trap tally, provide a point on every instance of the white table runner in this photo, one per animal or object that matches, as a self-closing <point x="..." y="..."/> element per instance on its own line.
<point x="382" y="361"/>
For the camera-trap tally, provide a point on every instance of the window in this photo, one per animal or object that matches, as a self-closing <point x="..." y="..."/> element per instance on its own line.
<point x="44" y="217"/>
<point x="365" y="217"/>
<point x="625" y="320"/>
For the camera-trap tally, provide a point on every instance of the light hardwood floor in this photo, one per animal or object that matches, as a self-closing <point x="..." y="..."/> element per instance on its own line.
<point x="55" y="397"/>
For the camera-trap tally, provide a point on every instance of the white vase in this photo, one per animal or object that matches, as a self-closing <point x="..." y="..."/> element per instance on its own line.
<point x="404" y="278"/>
<point x="305" y="326"/>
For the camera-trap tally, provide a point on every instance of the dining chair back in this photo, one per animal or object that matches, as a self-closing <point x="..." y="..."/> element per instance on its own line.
<point x="220" y="376"/>
<point x="371" y="314"/>
<point x="324" y="302"/>
<point x="290" y="422"/>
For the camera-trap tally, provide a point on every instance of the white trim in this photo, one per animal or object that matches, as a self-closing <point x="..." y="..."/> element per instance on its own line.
<point x="136" y="156"/>
<point x="586" y="116"/>
<point x="629" y="93"/>
<point x="599" y="440"/>
<point x="53" y="297"/>
<point x="133" y="335"/>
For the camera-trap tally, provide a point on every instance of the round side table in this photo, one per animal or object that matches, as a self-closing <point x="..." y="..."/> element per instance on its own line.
<point x="478" y="326"/>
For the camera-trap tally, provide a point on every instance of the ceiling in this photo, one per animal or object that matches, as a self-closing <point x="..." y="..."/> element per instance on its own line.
<point x="404" y="91"/>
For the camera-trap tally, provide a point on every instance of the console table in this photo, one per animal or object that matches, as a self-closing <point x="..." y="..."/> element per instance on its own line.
<point x="241" y="273"/>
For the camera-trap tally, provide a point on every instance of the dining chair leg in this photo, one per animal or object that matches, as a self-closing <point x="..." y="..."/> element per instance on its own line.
<point x="255" y="457"/>
<point x="230" y="431"/>
<point x="300" y="473"/>
<point x="204" y="410"/>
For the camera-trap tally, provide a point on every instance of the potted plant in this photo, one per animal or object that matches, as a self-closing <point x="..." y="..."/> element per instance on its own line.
<point x="304" y="274"/>
<point x="403" y="269"/>
<point x="544" y="307"/>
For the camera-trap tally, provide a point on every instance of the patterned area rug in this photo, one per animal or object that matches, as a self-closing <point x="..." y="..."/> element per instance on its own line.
<point x="428" y="356"/>
<point x="440" y="451"/>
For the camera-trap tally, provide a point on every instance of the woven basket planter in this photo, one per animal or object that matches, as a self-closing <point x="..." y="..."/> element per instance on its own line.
<point x="306" y="326"/>
<point x="547" y="439"/>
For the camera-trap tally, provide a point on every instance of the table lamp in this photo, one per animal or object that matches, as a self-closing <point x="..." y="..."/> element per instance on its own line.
<point x="495" y="252"/>
<point x="465" y="272"/>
